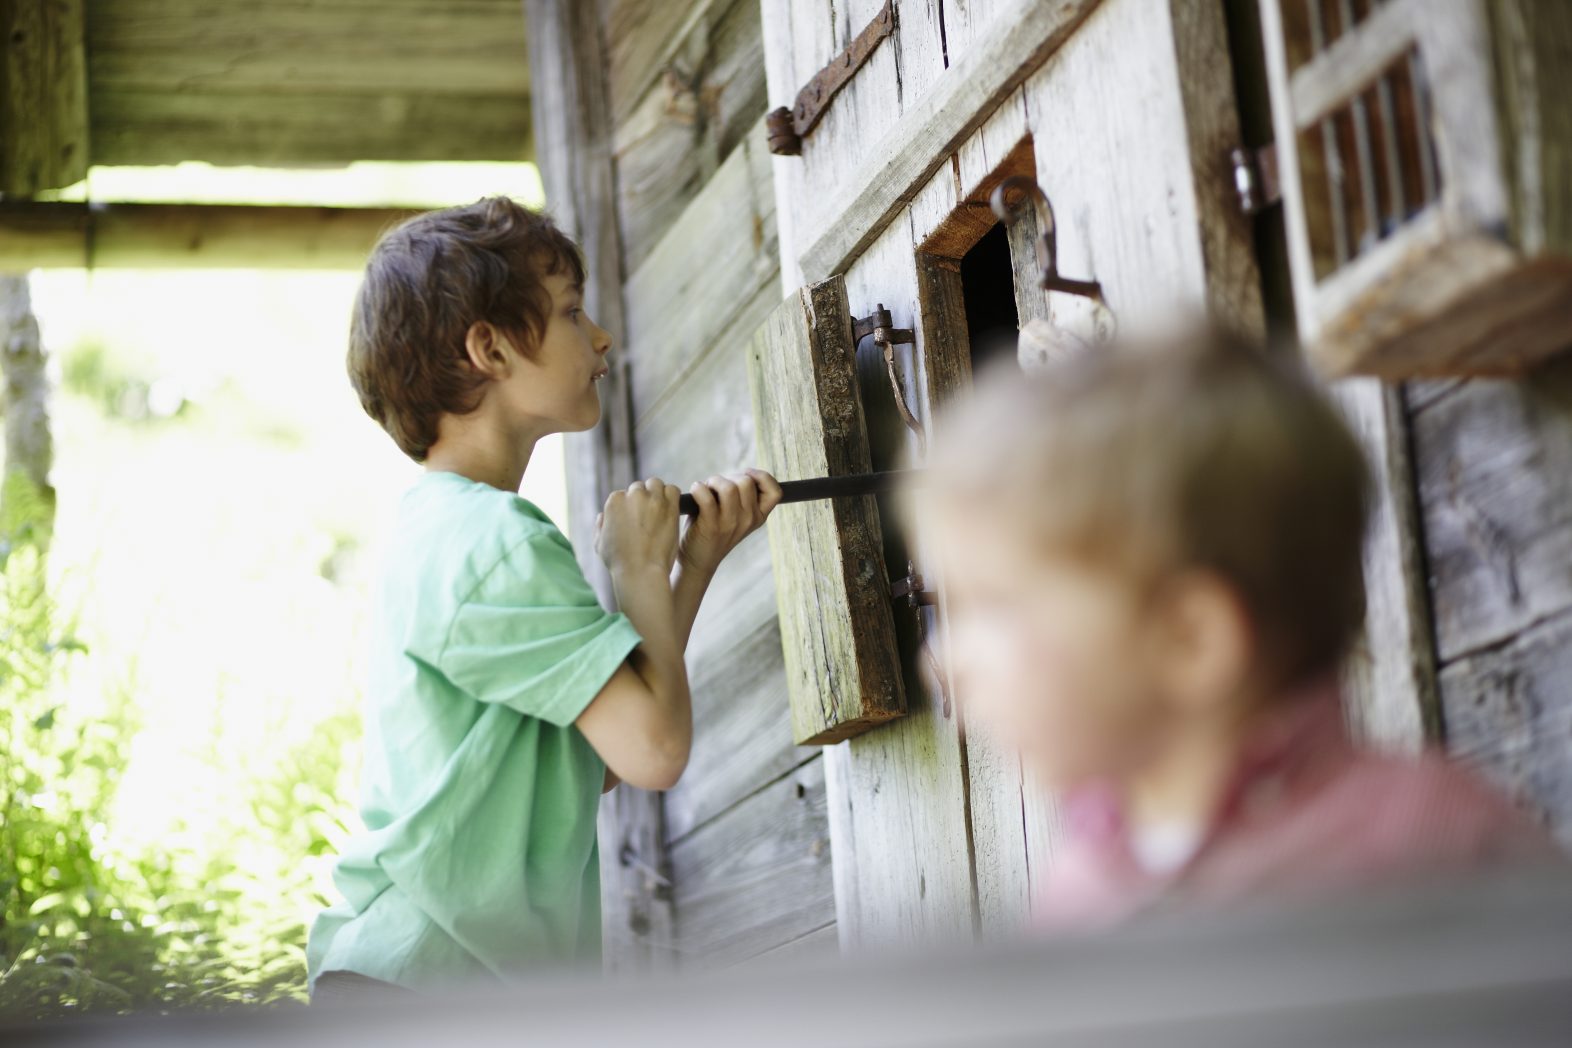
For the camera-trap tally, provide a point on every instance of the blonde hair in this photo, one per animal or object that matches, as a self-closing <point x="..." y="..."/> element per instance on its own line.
<point x="1198" y="451"/>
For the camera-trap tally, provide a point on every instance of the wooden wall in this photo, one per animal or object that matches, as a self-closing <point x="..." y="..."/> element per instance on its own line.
<point x="1493" y="460"/>
<point x="1124" y="111"/>
<point x="746" y="832"/>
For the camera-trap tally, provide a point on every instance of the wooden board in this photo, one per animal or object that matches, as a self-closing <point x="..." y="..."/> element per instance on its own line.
<point x="205" y="236"/>
<point x="263" y="128"/>
<point x="831" y="586"/>
<point x="43" y="96"/>
<point x="1494" y="462"/>
<point x="758" y="876"/>
<point x="1389" y="680"/>
<point x="1507" y="712"/>
<point x="713" y="260"/>
<point x="708" y="95"/>
<point x="899" y="793"/>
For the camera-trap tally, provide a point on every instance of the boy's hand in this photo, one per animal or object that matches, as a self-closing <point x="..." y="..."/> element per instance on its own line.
<point x="730" y="508"/>
<point x="638" y="527"/>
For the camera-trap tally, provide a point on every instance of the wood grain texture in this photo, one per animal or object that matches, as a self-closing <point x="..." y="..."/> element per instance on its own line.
<point x="260" y="127"/>
<point x="573" y="124"/>
<point x="931" y="127"/>
<point x="307" y="81"/>
<point x="708" y="95"/>
<point x="212" y="46"/>
<point x="1389" y="679"/>
<point x="1508" y="713"/>
<point x="831" y="585"/>
<point x="1494" y="462"/>
<point x="757" y="876"/>
<point x="713" y="259"/>
<point x="43" y="95"/>
<point x="899" y="794"/>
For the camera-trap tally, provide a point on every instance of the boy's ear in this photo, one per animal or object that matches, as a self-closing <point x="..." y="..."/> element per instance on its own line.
<point x="1208" y="637"/>
<point x="487" y="349"/>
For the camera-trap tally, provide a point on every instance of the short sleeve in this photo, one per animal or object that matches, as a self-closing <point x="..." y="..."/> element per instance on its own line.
<point x="533" y="636"/>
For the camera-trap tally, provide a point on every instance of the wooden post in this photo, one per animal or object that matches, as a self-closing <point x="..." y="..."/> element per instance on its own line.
<point x="43" y="96"/>
<point x="572" y="128"/>
<point x="29" y="450"/>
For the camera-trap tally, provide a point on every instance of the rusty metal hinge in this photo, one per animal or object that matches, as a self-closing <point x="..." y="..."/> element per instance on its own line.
<point x="886" y="336"/>
<point x="788" y="127"/>
<point x="1255" y="177"/>
<point x="912" y="592"/>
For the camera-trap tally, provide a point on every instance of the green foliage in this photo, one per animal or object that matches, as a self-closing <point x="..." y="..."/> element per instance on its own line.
<point x="86" y="925"/>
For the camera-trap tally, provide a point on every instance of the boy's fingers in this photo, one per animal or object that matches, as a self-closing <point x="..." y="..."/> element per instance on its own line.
<point x="769" y="489"/>
<point x="703" y="496"/>
<point x="724" y="490"/>
<point x="747" y="494"/>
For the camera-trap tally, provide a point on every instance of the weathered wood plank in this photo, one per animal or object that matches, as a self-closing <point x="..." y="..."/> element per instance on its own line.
<point x="573" y="124"/>
<point x="709" y="94"/>
<point x="933" y="126"/>
<point x="713" y="260"/>
<point x="1494" y="461"/>
<point x="262" y="127"/>
<point x="212" y="46"/>
<point x="1125" y="192"/>
<point x="1389" y="679"/>
<point x="1508" y="712"/>
<point x="208" y="236"/>
<point x="758" y="876"/>
<point x="821" y="944"/>
<point x="742" y="730"/>
<point x="43" y="96"/>
<point x="830" y="579"/>
<point x="899" y="792"/>
<point x="642" y="38"/>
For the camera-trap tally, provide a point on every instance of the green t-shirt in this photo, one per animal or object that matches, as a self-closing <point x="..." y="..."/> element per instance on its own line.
<point x="479" y="795"/>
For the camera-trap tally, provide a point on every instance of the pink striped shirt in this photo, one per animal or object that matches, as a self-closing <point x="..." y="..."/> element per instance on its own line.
<point x="1307" y="811"/>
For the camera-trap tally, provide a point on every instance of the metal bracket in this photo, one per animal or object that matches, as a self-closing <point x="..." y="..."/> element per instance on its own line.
<point x="911" y="592"/>
<point x="788" y="127"/>
<point x="1006" y="201"/>
<point x="886" y="336"/>
<point x="1255" y="178"/>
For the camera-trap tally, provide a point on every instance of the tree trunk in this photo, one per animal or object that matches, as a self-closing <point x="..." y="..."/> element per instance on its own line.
<point x="26" y="497"/>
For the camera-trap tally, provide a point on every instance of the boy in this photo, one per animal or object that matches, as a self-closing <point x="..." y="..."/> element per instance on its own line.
<point x="503" y="699"/>
<point x="1152" y="558"/>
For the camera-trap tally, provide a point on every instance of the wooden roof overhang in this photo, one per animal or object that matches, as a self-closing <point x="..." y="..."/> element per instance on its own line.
<point x="282" y="83"/>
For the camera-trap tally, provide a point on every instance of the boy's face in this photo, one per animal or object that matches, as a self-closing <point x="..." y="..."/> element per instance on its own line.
<point x="1049" y="654"/>
<point x="554" y="387"/>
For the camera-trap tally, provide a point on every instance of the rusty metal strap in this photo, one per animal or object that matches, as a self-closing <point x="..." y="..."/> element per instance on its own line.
<point x="787" y="127"/>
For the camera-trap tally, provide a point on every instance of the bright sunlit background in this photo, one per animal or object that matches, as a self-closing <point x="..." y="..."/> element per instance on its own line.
<point x="222" y="500"/>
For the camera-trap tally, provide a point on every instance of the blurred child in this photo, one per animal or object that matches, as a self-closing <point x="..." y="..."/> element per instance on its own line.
<point x="503" y="698"/>
<point x="1152" y="558"/>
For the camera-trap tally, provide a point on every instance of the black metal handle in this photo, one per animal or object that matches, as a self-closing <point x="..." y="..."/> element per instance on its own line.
<point x="826" y="488"/>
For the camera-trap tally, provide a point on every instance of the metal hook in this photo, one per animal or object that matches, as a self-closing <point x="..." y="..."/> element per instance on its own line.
<point x="1006" y="201"/>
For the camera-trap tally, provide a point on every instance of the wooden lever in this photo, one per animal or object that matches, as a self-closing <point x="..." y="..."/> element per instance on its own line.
<point x="826" y="488"/>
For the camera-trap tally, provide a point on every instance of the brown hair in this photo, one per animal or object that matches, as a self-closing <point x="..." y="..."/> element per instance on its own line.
<point x="1201" y="451"/>
<point x="428" y="280"/>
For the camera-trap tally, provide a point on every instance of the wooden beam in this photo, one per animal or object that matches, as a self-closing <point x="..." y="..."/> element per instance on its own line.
<point x="136" y="126"/>
<point x="36" y="235"/>
<point x="43" y="96"/>
<point x="573" y="127"/>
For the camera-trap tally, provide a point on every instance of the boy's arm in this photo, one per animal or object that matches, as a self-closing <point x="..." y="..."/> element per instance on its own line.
<point x="641" y="723"/>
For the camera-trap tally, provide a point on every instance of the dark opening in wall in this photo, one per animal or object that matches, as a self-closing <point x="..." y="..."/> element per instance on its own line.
<point x="988" y="288"/>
